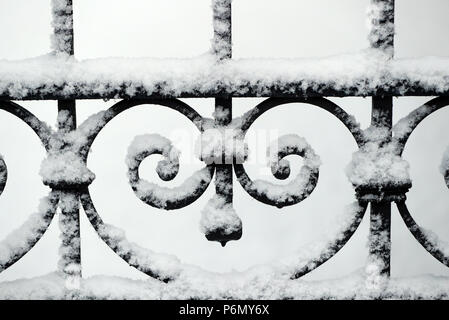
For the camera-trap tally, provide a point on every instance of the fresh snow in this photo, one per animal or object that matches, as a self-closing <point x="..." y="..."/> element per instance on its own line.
<point x="362" y="73"/>
<point x="70" y="248"/>
<point x="161" y="197"/>
<point x="377" y="163"/>
<point x="436" y="242"/>
<point x="405" y="126"/>
<point x="221" y="42"/>
<point x="219" y="215"/>
<point x="19" y="241"/>
<point x="235" y="286"/>
<point x="380" y="25"/>
<point x="298" y="187"/>
<point x="64" y="164"/>
<point x="62" y="23"/>
<point x="308" y="255"/>
<point x="145" y="145"/>
<point x="354" y="74"/>
<point x="164" y="265"/>
<point x="220" y="145"/>
<point x="65" y="167"/>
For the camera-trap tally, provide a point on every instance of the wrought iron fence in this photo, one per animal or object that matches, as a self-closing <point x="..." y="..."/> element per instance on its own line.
<point x="72" y="143"/>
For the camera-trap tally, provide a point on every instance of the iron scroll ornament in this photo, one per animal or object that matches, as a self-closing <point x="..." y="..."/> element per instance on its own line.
<point x="44" y="133"/>
<point x="131" y="257"/>
<point x="31" y="236"/>
<point x="419" y="233"/>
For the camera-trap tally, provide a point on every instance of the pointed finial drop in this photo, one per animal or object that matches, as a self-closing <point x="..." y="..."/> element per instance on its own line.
<point x="219" y="222"/>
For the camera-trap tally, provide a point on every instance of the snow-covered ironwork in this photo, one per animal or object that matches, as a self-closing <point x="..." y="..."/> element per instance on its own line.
<point x="378" y="172"/>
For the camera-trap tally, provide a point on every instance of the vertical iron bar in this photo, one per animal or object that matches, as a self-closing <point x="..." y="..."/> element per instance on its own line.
<point x="69" y="220"/>
<point x="380" y="236"/>
<point x="62" y="40"/>
<point x="68" y="106"/>
<point x="381" y="37"/>
<point x="70" y="250"/>
<point x="382" y="112"/>
<point x="222" y="21"/>
<point x="222" y="49"/>
<point x="380" y="215"/>
<point x="223" y="179"/>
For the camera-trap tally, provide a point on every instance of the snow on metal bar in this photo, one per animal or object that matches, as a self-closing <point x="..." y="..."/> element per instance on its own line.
<point x="21" y="240"/>
<point x="377" y="170"/>
<point x="370" y="72"/>
<point x="167" y="169"/>
<point x="381" y="25"/>
<point x="222" y="41"/>
<point x="351" y="286"/>
<point x="54" y="167"/>
<point x="299" y="188"/>
<point x="366" y="73"/>
<point x="62" y="39"/>
<point x="70" y="250"/>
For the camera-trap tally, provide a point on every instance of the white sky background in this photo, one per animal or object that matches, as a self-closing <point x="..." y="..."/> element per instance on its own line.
<point x="182" y="28"/>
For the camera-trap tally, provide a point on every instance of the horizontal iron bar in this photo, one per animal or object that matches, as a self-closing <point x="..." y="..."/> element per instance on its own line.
<point x="295" y="90"/>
